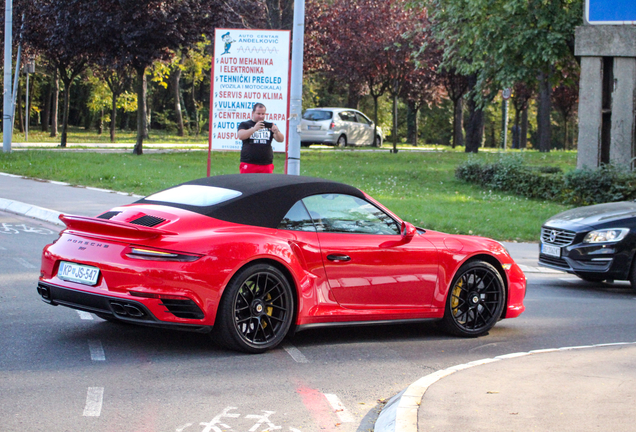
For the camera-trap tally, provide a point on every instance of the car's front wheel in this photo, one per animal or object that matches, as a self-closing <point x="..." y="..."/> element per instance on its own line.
<point x="256" y="310"/>
<point x="475" y="301"/>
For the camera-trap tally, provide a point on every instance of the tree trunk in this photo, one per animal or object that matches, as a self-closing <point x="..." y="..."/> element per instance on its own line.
<point x="113" y="117"/>
<point x="375" y="121"/>
<point x="197" y="127"/>
<point x="458" y="122"/>
<point x="176" y="83"/>
<point x="543" y="113"/>
<point x="353" y="97"/>
<point x="565" y="134"/>
<point x="65" y="109"/>
<point x="55" y="103"/>
<point x="46" y="111"/>
<point x="395" y="120"/>
<point x="516" y="129"/>
<point x="142" y="130"/>
<point x="411" y="123"/>
<point x="18" y="108"/>
<point x="523" y="136"/>
<point x="475" y="127"/>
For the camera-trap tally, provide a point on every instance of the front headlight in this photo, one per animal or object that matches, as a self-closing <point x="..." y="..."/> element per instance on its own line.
<point x="612" y="235"/>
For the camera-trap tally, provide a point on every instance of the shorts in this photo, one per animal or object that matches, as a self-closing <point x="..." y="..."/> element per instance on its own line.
<point x="247" y="168"/>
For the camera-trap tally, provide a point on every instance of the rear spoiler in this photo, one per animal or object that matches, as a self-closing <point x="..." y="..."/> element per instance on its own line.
<point x="103" y="228"/>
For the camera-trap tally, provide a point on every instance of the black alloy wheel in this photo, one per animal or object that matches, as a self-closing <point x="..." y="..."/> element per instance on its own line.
<point x="256" y="310"/>
<point x="475" y="301"/>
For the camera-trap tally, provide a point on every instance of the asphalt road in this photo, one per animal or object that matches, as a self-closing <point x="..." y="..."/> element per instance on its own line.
<point x="61" y="370"/>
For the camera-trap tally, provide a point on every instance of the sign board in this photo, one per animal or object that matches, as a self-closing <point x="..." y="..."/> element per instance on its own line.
<point x="610" y="12"/>
<point x="249" y="66"/>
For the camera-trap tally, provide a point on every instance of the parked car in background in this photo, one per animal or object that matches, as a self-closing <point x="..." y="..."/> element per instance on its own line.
<point x="596" y="243"/>
<point x="338" y="127"/>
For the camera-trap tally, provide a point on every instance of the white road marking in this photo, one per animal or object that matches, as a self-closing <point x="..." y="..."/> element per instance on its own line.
<point x="84" y="315"/>
<point x="343" y="414"/>
<point x="294" y="353"/>
<point x="94" y="400"/>
<point x="24" y="263"/>
<point x="1" y="248"/>
<point x="97" y="351"/>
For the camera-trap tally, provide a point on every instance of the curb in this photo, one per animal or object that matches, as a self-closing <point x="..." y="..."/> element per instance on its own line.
<point x="400" y="413"/>
<point x="32" y="211"/>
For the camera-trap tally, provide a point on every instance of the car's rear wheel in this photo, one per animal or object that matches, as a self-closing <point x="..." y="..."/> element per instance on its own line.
<point x="342" y="141"/>
<point x="475" y="301"/>
<point x="378" y="141"/>
<point x="256" y="310"/>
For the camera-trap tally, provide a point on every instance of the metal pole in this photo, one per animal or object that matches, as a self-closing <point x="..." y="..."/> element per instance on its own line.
<point x="296" y="90"/>
<point x="26" y="124"/>
<point x="7" y="123"/>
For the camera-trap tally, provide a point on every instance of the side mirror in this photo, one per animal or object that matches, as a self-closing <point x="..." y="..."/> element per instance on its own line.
<point x="408" y="231"/>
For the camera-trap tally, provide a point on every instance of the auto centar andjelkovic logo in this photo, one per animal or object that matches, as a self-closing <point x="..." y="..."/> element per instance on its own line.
<point x="249" y="66"/>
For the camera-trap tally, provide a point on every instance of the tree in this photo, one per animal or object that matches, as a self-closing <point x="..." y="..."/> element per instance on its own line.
<point x="508" y="41"/>
<point x="369" y="45"/>
<point x="422" y="86"/>
<point x="139" y="32"/>
<point x="456" y="86"/>
<point x="68" y="46"/>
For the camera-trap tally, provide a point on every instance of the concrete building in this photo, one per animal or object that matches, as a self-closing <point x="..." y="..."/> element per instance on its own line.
<point x="607" y="109"/>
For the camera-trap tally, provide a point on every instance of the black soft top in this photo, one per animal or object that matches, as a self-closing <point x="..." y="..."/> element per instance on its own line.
<point x="265" y="198"/>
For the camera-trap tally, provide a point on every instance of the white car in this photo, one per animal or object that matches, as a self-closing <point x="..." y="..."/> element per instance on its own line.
<point x="338" y="127"/>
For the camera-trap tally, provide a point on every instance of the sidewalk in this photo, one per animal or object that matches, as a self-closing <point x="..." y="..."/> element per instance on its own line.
<point x="568" y="389"/>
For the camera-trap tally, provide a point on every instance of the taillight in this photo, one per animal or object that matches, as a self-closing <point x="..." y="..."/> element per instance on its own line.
<point x="332" y="125"/>
<point x="159" y="255"/>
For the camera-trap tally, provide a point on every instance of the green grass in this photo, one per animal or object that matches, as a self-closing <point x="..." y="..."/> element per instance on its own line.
<point x="418" y="186"/>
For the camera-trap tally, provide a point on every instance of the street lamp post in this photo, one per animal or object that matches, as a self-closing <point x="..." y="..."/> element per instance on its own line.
<point x="296" y="90"/>
<point x="7" y="114"/>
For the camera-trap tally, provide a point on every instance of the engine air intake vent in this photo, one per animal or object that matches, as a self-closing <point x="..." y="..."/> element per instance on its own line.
<point x="183" y="308"/>
<point x="148" y="221"/>
<point x="108" y="215"/>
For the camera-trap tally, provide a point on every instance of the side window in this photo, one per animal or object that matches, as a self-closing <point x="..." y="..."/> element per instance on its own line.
<point x="297" y="219"/>
<point x="347" y="116"/>
<point x="362" y="119"/>
<point x="338" y="213"/>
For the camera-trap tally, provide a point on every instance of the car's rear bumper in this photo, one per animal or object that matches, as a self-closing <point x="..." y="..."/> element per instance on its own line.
<point x="126" y="310"/>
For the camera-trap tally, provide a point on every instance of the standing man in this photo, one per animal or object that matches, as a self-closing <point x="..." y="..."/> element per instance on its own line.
<point x="257" y="155"/>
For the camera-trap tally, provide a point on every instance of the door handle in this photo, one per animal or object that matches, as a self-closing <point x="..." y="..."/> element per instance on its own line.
<point x="338" y="257"/>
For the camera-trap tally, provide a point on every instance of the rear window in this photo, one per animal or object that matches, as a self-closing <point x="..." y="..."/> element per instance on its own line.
<point x="317" y="115"/>
<point x="194" y="195"/>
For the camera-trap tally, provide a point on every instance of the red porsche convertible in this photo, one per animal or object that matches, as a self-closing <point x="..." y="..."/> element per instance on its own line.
<point x="252" y="258"/>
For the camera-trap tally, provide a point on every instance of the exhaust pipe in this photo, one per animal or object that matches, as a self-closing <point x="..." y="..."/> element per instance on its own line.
<point x="133" y="311"/>
<point x="126" y="309"/>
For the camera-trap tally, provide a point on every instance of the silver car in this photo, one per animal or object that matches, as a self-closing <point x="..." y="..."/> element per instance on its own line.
<point x="338" y="127"/>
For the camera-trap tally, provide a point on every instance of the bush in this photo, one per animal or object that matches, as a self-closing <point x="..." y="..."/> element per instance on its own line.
<point x="580" y="187"/>
<point x="608" y="183"/>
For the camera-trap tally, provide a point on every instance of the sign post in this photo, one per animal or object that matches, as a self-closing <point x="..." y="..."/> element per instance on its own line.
<point x="249" y="66"/>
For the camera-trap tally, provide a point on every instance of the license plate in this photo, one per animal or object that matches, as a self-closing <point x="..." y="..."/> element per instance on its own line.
<point x="551" y="250"/>
<point x="83" y="274"/>
<point x="313" y="127"/>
